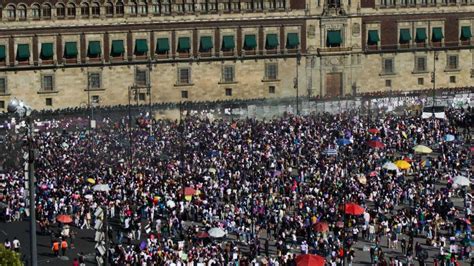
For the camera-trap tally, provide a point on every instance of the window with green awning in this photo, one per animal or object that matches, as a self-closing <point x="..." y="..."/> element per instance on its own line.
<point x="420" y="35"/>
<point x="250" y="42"/>
<point x="23" y="52"/>
<point x="373" y="37"/>
<point x="118" y="48"/>
<point x="334" y="38"/>
<point x="3" y="55"/>
<point x="437" y="34"/>
<point x="184" y="44"/>
<point x="292" y="40"/>
<point x="70" y="50"/>
<point x="162" y="45"/>
<point x="466" y="33"/>
<point x="94" y="49"/>
<point x="46" y="51"/>
<point x="141" y="47"/>
<point x="271" y="41"/>
<point x="205" y="44"/>
<point x="228" y="43"/>
<point x="405" y="36"/>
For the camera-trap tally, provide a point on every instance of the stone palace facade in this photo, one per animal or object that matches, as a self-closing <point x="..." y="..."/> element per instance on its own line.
<point x="60" y="53"/>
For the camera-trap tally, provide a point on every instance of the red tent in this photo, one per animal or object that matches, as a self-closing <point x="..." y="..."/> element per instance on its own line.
<point x="63" y="218"/>
<point x="310" y="260"/>
<point x="375" y="144"/>
<point x="353" y="209"/>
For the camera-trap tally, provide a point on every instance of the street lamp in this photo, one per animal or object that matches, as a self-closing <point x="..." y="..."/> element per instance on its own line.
<point x="296" y="85"/>
<point x="22" y="110"/>
<point x="433" y="78"/>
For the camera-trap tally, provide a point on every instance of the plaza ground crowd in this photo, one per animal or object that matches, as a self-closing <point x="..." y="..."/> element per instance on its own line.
<point x="244" y="192"/>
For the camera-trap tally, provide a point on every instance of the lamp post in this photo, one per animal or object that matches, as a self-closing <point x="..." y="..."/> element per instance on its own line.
<point x="296" y="85"/>
<point x="433" y="79"/>
<point x="24" y="111"/>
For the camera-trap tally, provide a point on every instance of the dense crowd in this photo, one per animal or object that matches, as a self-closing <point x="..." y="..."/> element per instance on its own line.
<point x="265" y="184"/>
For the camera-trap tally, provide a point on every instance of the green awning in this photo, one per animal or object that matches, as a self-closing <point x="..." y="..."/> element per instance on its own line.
<point x="228" y="42"/>
<point x="117" y="48"/>
<point x="184" y="44"/>
<point x="334" y="38"/>
<point x="437" y="35"/>
<point x="272" y="41"/>
<point x="404" y="35"/>
<point x="466" y="33"/>
<point x="250" y="42"/>
<point x="94" y="49"/>
<point x="292" y="40"/>
<point x="163" y="45"/>
<point x="47" y="51"/>
<point x="70" y="50"/>
<point x="420" y="35"/>
<point x="141" y="46"/>
<point x="23" y="52"/>
<point x="373" y="37"/>
<point x="206" y="43"/>
<point x="2" y="52"/>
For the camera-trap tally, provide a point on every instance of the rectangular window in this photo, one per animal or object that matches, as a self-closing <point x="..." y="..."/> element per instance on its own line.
<point x="388" y="66"/>
<point x="453" y="62"/>
<point x="94" y="81"/>
<point x="2" y="104"/>
<point x="271" y="89"/>
<point x="48" y="83"/>
<point x="141" y="77"/>
<point x="271" y="71"/>
<point x="184" y="94"/>
<point x="421" y="81"/>
<point x="228" y="92"/>
<point x="95" y="99"/>
<point x="452" y="79"/>
<point x="388" y="83"/>
<point x="184" y="75"/>
<point x="228" y="74"/>
<point x="142" y="96"/>
<point x="420" y="64"/>
<point x="3" y="85"/>
<point x="49" y="101"/>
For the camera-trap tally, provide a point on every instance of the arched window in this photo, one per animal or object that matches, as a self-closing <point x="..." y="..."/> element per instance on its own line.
<point x="21" y="12"/>
<point x="11" y="12"/>
<point x="60" y="10"/>
<point x="95" y="9"/>
<point x="142" y="7"/>
<point x="85" y="9"/>
<point x="109" y="9"/>
<point x="46" y="11"/>
<point x="35" y="11"/>
<point x="119" y="8"/>
<point x="133" y="7"/>
<point x="71" y="10"/>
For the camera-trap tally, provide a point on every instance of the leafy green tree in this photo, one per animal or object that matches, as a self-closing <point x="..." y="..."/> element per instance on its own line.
<point x="9" y="257"/>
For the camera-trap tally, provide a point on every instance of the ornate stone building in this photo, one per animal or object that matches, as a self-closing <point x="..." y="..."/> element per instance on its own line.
<point x="56" y="54"/>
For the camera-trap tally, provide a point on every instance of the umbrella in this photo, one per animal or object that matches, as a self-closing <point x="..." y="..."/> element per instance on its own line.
<point x="343" y="142"/>
<point x="101" y="187"/>
<point x="375" y="144"/>
<point x="216" y="232"/>
<point x="189" y="191"/>
<point x="170" y="204"/>
<point x="202" y="235"/>
<point x="321" y="227"/>
<point x="91" y="181"/>
<point x="402" y="164"/>
<point x="353" y="209"/>
<point x="310" y="260"/>
<point x="362" y="179"/>
<point x="63" y="218"/>
<point x="449" y="137"/>
<point x="374" y="131"/>
<point x="422" y="149"/>
<point x="390" y="166"/>
<point x="461" y="181"/>
<point x="89" y="196"/>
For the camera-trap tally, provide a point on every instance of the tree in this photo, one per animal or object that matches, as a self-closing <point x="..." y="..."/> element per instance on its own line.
<point x="9" y="257"/>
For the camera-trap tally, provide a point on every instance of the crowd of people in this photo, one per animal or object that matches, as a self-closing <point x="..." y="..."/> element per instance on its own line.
<point x="271" y="186"/>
